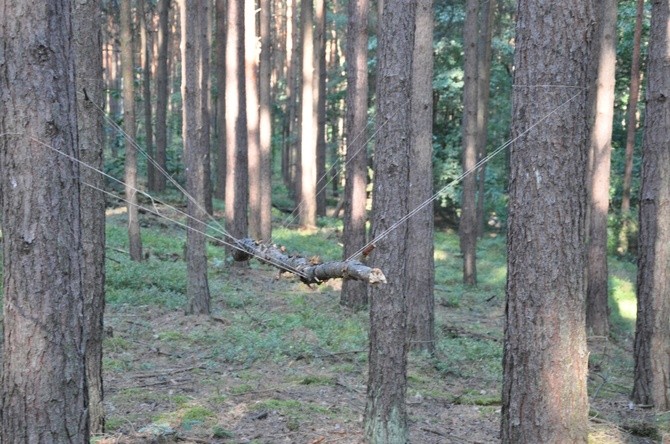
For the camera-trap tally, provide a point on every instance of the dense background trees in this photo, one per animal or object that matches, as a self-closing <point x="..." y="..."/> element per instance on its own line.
<point x="287" y="130"/>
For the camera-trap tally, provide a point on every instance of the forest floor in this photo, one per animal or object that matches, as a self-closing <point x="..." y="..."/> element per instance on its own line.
<point x="279" y="362"/>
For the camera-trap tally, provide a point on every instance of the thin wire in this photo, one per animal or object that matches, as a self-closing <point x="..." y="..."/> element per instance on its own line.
<point x="481" y="162"/>
<point x="157" y="212"/>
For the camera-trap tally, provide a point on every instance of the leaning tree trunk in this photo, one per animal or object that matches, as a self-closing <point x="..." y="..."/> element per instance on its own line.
<point x="44" y="395"/>
<point x="385" y="410"/>
<point x="545" y="355"/>
<point x="87" y="46"/>
<point x="652" y="334"/>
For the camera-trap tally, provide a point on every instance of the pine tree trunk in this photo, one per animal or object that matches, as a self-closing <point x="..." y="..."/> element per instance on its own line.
<point x="307" y="206"/>
<point x="87" y="45"/>
<point x="236" y="125"/>
<point x="545" y="354"/>
<point x="604" y="61"/>
<point x="319" y="87"/>
<point x="253" y="117"/>
<point x="420" y="261"/>
<point x="197" y="288"/>
<point x="221" y="156"/>
<point x="44" y="395"/>
<point x="204" y="117"/>
<point x="145" y="47"/>
<point x="631" y="126"/>
<point x="652" y="334"/>
<point x="162" y="92"/>
<point x="468" y="223"/>
<point x="385" y="410"/>
<point x="129" y="127"/>
<point x="483" y="81"/>
<point x="265" y="232"/>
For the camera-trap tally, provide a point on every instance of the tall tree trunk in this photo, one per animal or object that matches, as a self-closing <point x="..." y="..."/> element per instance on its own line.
<point x="289" y="157"/>
<point x="354" y="293"/>
<point x="129" y="127"/>
<point x="265" y="232"/>
<point x="253" y="116"/>
<point x="307" y="206"/>
<point x="146" y="46"/>
<point x="420" y="262"/>
<point x="604" y="59"/>
<point x="204" y="122"/>
<point x="385" y="410"/>
<point x="221" y="156"/>
<point x="163" y="36"/>
<point x="319" y="87"/>
<point x="468" y="223"/>
<point x="483" y="81"/>
<point x="195" y="154"/>
<point x="44" y="395"/>
<point x="652" y="334"/>
<point x="236" y="126"/>
<point x="545" y="354"/>
<point x="631" y="126"/>
<point x="87" y="44"/>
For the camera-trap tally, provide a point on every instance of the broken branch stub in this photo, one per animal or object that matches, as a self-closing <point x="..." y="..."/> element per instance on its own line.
<point x="308" y="271"/>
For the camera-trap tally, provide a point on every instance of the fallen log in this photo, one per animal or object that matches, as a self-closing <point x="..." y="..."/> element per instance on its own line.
<point x="310" y="271"/>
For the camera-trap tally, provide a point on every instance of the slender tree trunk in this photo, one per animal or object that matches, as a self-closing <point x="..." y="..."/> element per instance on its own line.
<point x="545" y="354"/>
<point x="44" y="394"/>
<point x="204" y="123"/>
<point x="221" y="30"/>
<point x="146" y="45"/>
<point x="163" y="37"/>
<point x="265" y="232"/>
<point x="113" y="79"/>
<point x="420" y="262"/>
<point x="195" y="155"/>
<point x="236" y="125"/>
<point x="631" y="126"/>
<point x="87" y="44"/>
<point x="129" y="127"/>
<point x="468" y="223"/>
<point x="355" y="294"/>
<point x="483" y="81"/>
<point x="253" y="116"/>
<point x="319" y="87"/>
<point x="308" y="130"/>
<point x="385" y="410"/>
<point x="289" y="158"/>
<point x="604" y="59"/>
<point x="652" y="334"/>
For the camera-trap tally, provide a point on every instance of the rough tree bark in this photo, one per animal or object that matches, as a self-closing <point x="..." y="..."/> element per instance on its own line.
<point x="87" y="44"/>
<point x="163" y="36"/>
<point x="604" y="61"/>
<point x="44" y="395"/>
<point x="545" y="355"/>
<point x="197" y="288"/>
<point x="221" y="156"/>
<point x="236" y="125"/>
<point x="129" y="127"/>
<point x="385" y="410"/>
<point x="468" y="223"/>
<point x="652" y="334"/>
<point x="354" y="294"/>
<point x="420" y="261"/>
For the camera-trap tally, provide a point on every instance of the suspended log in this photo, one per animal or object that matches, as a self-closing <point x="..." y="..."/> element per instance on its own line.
<point x="309" y="270"/>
